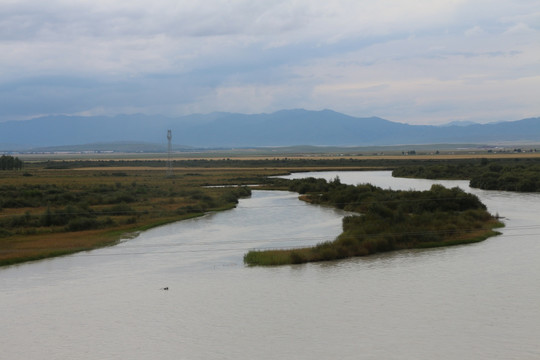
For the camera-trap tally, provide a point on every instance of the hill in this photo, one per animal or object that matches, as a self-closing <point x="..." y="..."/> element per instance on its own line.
<point x="282" y="128"/>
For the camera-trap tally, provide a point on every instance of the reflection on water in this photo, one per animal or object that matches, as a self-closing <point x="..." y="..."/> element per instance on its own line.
<point x="478" y="301"/>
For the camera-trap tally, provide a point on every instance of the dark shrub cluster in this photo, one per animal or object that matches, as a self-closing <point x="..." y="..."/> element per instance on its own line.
<point x="522" y="175"/>
<point x="8" y="162"/>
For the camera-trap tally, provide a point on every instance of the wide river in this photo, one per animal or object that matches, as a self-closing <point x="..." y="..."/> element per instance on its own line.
<point x="479" y="301"/>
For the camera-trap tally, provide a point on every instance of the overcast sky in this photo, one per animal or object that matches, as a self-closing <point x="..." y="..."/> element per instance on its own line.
<point x="414" y="61"/>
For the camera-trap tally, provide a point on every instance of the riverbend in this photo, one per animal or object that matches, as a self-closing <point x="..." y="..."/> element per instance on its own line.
<point x="477" y="301"/>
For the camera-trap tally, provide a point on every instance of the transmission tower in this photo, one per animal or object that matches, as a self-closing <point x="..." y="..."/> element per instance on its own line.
<point x="169" y="152"/>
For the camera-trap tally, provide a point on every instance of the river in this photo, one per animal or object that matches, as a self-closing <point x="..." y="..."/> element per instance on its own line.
<point x="477" y="301"/>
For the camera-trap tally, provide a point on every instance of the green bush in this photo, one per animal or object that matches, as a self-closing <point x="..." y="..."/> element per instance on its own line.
<point x="297" y="258"/>
<point x="82" y="223"/>
<point x="120" y="209"/>
<point x="521" y="175"/>
<point x="4" y="232"/>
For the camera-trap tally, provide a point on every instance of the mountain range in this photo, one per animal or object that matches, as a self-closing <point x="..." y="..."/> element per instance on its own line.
<point x="281" y="128"/>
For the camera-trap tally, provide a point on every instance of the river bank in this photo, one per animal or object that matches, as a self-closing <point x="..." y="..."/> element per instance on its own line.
<point x="53" y="212"/>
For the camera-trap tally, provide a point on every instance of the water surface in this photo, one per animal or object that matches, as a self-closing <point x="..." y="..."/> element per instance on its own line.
<point x="478" y="301"/>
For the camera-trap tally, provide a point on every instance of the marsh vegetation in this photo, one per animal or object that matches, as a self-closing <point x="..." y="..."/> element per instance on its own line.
<point x="61" y="207"/>
<point x="386" y="220"/>
<point x="49" y="212"/>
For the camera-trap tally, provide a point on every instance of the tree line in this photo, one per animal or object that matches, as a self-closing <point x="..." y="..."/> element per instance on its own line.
<point x="521" y="175"/>
<point x="8" y="162"/>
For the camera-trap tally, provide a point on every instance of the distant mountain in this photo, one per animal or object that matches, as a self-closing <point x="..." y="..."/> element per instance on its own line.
<point x="282" y="128"/>
<point x="460" y="123"/>
<point x="127" y="147"/>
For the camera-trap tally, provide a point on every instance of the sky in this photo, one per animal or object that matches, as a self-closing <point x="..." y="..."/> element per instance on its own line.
<point x="412" y="61"/>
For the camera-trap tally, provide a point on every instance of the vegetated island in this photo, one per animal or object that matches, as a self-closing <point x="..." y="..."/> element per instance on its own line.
<point x="386" y="220"/>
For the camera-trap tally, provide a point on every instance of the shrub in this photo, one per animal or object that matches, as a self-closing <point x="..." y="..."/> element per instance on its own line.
<point x="120" y="209"/>
<point x="82" y="223"/>
<point x="189" y="209"/>
<point x="297" y="258"/>
<point x="328" y="254"/>
<point x="4" y="232"/>
<point x="131" y="220"/>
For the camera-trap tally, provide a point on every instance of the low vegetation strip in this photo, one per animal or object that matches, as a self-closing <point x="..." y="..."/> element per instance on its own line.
<point x="521" y="175"/>
<point x="387" y="220"/>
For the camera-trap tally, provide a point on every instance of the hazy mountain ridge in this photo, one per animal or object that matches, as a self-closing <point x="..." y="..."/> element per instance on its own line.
<point x="282" y="128"/>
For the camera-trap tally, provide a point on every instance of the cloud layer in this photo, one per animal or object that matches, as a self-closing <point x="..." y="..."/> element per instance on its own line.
<point x="415" y="61"/>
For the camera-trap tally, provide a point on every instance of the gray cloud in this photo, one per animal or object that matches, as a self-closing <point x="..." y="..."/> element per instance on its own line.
<point x="416" y="61"/>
